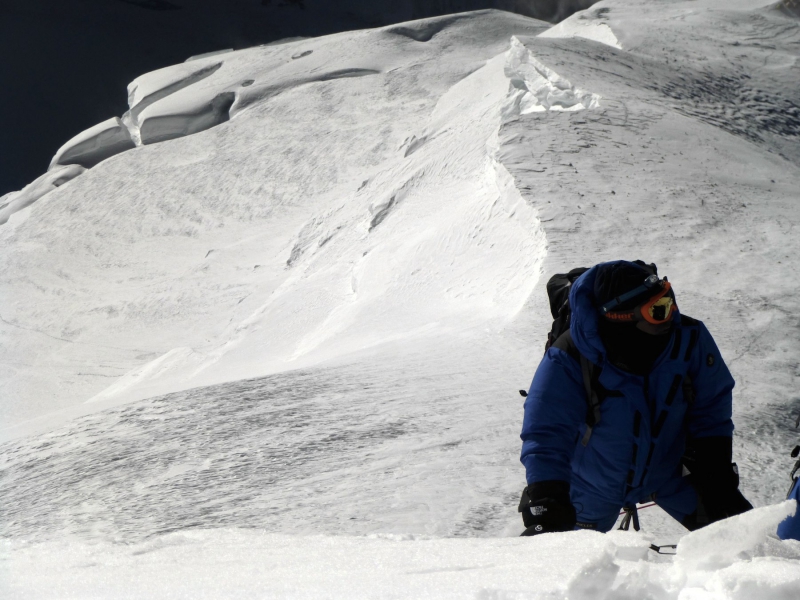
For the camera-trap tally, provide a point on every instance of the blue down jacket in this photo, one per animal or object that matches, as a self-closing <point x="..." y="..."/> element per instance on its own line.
<point x="635" y="450"/>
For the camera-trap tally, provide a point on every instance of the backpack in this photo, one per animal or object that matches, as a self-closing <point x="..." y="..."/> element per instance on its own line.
<point x="558" y="289"/>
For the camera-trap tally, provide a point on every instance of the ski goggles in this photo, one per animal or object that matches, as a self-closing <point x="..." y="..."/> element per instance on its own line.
<point x="658" y="309"/>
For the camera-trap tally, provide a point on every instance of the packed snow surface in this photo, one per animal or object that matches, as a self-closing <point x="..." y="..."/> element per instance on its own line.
<point x="237" y="563"/>
<point x="274" y="348"/>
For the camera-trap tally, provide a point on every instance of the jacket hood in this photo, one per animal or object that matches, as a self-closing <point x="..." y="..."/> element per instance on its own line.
<point x="585" y="319"/>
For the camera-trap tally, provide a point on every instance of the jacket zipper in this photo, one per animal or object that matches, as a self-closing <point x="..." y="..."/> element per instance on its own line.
<point x="651" y="405"/>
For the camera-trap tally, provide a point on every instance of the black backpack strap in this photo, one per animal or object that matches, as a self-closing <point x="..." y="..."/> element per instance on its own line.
<point x="558" y="289"/>
<point x="565" y="343"/>
<point x="688" y="387"/>
<point x="591" y="375"/>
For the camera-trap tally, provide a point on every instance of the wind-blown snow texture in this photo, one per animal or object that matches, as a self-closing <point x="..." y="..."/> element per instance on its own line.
<point x="306" y="309"/>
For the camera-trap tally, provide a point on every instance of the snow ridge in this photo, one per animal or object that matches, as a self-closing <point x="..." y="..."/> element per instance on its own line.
<point x="55" y="177"/>
<point x="95" y="145"/>
<point x="539" y="88"/>
<point x="587" y="24"/>
<point x="147" y="90"/>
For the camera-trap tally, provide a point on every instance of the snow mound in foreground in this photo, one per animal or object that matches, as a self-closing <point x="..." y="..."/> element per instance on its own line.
<point x="579" y="565"/>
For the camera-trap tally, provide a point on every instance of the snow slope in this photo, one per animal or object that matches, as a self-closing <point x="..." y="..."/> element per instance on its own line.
<point x="311" y="317"/>
<point x="269" y="234"/>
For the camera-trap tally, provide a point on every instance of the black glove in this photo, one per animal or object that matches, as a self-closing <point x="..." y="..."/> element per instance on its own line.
<point x="716" y="480"/>
<point x="545" y="508"/>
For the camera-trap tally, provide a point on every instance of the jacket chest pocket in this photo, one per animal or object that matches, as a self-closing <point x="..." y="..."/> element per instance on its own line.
<point x="676" y="390"/>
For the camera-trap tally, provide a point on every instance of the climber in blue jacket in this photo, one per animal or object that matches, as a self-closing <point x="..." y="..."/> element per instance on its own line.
<point x="660" y="427"/>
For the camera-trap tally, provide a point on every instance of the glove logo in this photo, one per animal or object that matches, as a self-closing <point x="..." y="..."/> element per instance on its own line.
<point x="539" y="528"/>
<point x="538" y="511"/>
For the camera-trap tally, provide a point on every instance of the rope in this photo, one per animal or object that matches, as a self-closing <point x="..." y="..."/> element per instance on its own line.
<point x="631" y="514"/>
<point x="640" y="507"/>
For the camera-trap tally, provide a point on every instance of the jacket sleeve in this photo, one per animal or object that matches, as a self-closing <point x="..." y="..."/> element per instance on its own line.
<point x="555" y="410"/>
<point x="710" y="413"/>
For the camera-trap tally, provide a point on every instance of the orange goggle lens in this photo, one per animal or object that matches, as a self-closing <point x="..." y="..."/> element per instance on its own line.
<point x="660" y="307"/>
<point x="658" y="310"/>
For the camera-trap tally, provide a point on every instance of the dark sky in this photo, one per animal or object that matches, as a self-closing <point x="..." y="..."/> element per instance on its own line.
<point x="66" y="63"/>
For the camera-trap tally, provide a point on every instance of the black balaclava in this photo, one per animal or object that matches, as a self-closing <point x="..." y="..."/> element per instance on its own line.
<point x="627" y="346"/>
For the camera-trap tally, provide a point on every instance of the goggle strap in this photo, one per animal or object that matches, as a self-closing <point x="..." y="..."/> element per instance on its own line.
<point x="642" y="312"/>
<point x="628" y="295"/>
